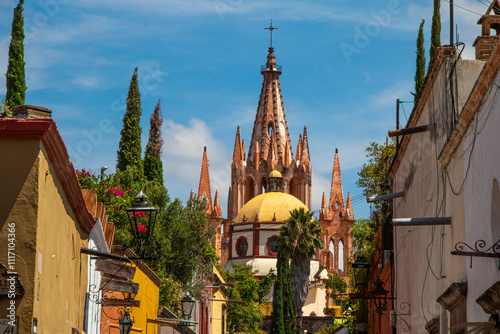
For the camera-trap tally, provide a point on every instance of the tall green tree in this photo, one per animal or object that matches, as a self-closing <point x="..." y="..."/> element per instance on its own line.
<point x="129" y="152"/>
<point x="16" y="79"/>
<point x="420" y="71"/>
<point x="436" y="29"/>
<point x="301" y="238"/>
<point x="283" y="316"/>
<point x="153" y="167"/>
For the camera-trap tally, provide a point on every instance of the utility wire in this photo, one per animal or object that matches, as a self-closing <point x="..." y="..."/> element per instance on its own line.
<point x="468" y="10"/>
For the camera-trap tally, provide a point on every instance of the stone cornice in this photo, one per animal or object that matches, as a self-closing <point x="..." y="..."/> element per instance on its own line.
<point x="474" y="102"/>
<point x="46" y="130"/>
<point x="453" y="296"/>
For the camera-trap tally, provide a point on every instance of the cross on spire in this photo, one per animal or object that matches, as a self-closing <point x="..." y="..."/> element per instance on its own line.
<point x="271" y="28"/>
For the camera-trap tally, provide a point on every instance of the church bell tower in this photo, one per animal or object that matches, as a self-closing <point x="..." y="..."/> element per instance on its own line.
<point x="270" y="148"/>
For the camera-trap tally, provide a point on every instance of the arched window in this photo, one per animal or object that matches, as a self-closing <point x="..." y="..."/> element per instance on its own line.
<point x="331" y="248"/>
<point x="242" y="246"/>
<point x="270" y="130"/>
<point x="341" y="255"/>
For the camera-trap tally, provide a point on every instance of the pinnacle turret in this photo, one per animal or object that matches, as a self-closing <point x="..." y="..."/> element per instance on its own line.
<point x="204" y="191"/>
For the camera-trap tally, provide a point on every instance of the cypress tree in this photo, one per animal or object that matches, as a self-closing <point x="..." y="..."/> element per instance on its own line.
<point x="288" y="308"/>
<point x="283" y="316"/>
<point x="436" y="29"/>
<point x="278" y="319"/>
<point x="16" y="80"/>
<point x="129" y="152"/>
<point x="153" y="167"/>
<point x="420" y="72"/>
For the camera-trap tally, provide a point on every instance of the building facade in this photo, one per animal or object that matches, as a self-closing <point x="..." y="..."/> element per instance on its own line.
<point x="267" y="182"/>
<point x="449" y="175"/>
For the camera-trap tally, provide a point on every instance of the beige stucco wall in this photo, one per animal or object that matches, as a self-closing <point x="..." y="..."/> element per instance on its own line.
<point x="485" y="167"/>
<point x="18" y="204"/>
<point x="48" y="240"/>
<point x="425" y="267"/>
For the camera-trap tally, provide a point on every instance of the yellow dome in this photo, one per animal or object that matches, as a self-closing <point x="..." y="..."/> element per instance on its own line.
<point x="275" y="173"/>
<point x="267" y="205"/>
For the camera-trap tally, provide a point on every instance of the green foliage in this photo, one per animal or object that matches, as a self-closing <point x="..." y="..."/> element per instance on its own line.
<point x="436" y="29"/>
<point x="420" y="71"/>
<point x="181" y="236"/>
<point x="373" y="177"/>
<point x="283" y="316"/>
<point x="244" y="318"/>
<point x="153" y="166"/>
<point x="300" y="238"/>
<point x="16" y="79"/>
<point x="129" y="152"/>
<point x="364" y="237"/>
<point x="170" y="291"/>
<point x="302" y="234"/>
<point x="335" y="285"/>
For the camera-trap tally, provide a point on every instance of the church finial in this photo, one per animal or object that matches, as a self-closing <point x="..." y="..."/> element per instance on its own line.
<point x="204" y="187"/>
<point x="271" y="28"/>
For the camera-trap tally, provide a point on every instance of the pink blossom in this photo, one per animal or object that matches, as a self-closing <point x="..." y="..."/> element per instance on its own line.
<point x="140" y="214"/>
<point x="141" y="229"/>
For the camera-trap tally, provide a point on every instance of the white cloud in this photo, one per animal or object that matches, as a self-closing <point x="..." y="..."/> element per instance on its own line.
<point x="387" y="97"/>
<point x="182" y="158"/>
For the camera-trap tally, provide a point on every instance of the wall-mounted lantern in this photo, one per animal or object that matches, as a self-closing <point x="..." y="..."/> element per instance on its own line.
<point x="142" y="217"/>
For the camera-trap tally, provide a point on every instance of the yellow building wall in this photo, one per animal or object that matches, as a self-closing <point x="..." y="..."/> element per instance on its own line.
<point x="149" y="295"/>
<point x="18" y="205"/>
<point x="60" y="270"/>
<point x="217" y="311"/>
<point x="48" y="241"/>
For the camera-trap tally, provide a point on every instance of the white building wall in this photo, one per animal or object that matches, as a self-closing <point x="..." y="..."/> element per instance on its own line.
<point x="424" y="266"/>
<point x="478" y="187"/>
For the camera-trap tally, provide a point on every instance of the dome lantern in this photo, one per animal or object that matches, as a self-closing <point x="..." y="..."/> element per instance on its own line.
<point x="275" y="182"/>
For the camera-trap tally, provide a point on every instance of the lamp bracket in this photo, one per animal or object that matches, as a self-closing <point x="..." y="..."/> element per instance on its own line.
<point x="478" y="250"/>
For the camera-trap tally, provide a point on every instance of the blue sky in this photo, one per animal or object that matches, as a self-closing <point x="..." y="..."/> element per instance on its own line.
<point x="344" y="66"/>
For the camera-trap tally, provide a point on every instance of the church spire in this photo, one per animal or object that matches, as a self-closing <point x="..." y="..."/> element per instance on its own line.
<point x="204" y="187"/>
<point x="237" y="152"/>
<point x="336" y="193"/>
<point x="216" y="210"/>
<point x="270" y="120"/>
<point x="305" y="159"/>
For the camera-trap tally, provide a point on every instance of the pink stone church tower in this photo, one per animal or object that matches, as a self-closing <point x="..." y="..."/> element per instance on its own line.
<point x="270" y="149"/>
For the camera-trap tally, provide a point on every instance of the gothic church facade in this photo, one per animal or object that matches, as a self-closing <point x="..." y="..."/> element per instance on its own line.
<point x="270" y="151"/>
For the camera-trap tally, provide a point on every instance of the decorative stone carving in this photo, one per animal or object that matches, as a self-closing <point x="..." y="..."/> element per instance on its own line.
<point x="490" y="299"/>
<point x="453" y="296"/>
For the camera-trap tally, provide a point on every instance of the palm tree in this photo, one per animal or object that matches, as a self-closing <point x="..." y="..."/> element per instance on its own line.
<point x="301" y="238"/>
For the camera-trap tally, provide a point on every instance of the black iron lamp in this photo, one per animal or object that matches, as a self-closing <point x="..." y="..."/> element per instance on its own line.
<point x="379" y="295"/>
<point x="187" y="304"/>
<point x="125" y="323"/>
<point x="361" y="269"/>
<point x="142" y="217"/>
